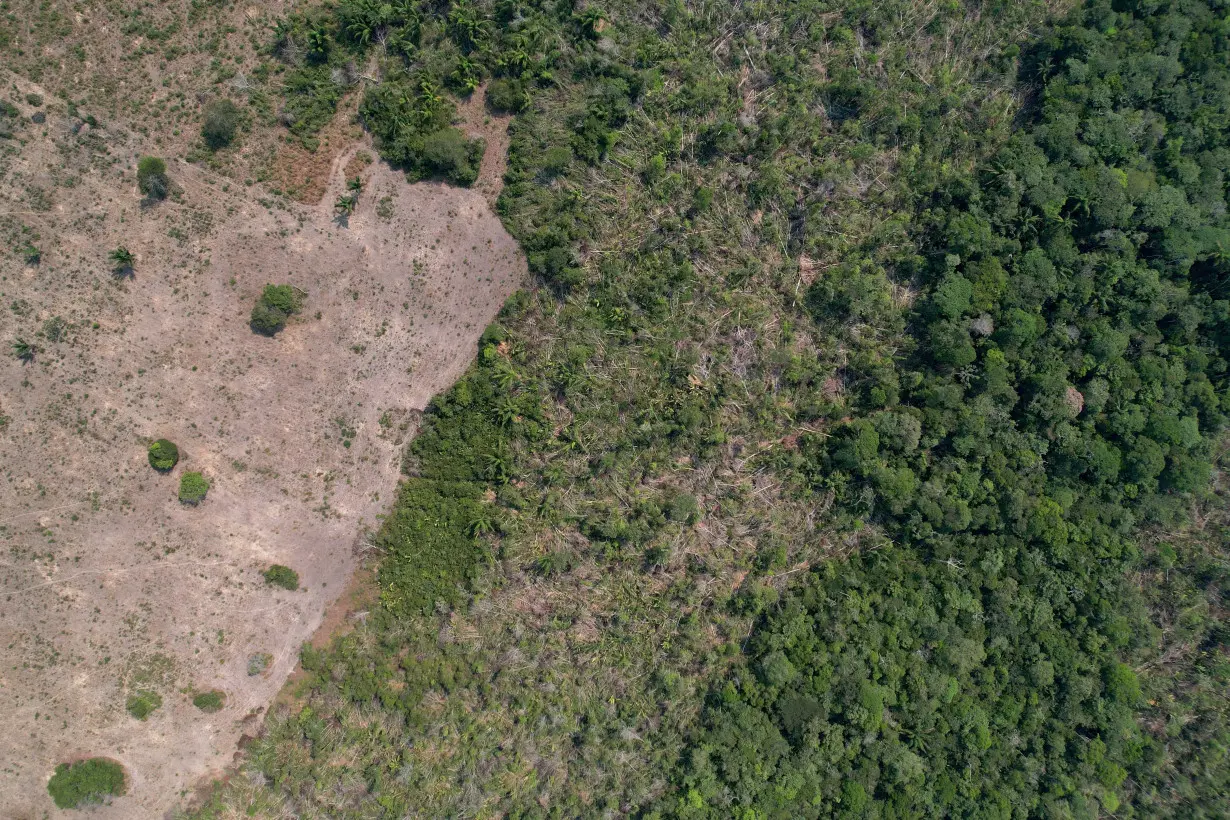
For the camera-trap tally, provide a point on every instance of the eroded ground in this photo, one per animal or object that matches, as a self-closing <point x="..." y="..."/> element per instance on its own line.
<point x="108" y="584"/>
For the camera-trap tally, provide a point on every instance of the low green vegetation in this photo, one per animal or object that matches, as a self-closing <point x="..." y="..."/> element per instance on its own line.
<point x="209" y="702"/>
<point x="280" y="576"/>
<point x="163" y="455"/>
<point x="276" y="304"/>
<point x="143" y="704"/>
<point x="152" y="178"/>
<point x="842" y="460"/>
<point x="85" y="783"/>
<point x="192" y="488"/>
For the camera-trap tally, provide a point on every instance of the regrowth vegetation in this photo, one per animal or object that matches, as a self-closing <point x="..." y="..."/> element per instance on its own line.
<point x="826" y="473"/>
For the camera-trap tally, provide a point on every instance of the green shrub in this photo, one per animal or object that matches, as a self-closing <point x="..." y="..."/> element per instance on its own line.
<point x="163" y="455"/>
<point x="192" y="488"/>
<point x="142" y="704"/>
<point x="152" y="178"/>
<point x="277" y="303"/>
<point x="447" y="152"/>
<point x="221" y="123"/>
<point x="507" y="96"/>
<point x="86" y="782"/>
<point x="281" y="576"/>
<point x="210" y="701"/>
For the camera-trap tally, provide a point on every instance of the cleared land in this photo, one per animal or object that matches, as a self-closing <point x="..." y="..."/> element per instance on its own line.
<point x="110" y="586"/>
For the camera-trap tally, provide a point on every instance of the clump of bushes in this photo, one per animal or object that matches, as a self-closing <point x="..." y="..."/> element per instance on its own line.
<point x="280" y="576"/>
<point x="163" y="455"/>
<point x="221" y="123"/>
<point x="152" y="178"/>
<point x="192" y="488"/>
<point x="143" y="704"/>
<point x="276" y="304"/>
<point x="85" y="782"/>
<point x="210" y="701"/>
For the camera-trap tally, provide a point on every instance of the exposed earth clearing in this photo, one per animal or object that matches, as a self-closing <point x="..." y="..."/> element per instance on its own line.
<point x="110" y="585"/>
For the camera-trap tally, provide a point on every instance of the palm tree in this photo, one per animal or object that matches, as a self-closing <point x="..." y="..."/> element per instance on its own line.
<point x="355" y="186"/>
<point x="123" y="260"/>
<point x="23" y="350"/>
<point x="345" y="205"/>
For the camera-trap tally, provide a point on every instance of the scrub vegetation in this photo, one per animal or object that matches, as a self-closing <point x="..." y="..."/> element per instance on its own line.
<point x="857" y="449"/>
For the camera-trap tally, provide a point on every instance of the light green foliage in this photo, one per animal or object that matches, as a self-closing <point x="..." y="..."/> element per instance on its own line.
<point x="87" y="782"/>
<point x="192" y="488"/>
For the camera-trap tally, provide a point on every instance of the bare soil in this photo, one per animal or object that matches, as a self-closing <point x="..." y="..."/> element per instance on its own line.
<point x="108" y="584"/>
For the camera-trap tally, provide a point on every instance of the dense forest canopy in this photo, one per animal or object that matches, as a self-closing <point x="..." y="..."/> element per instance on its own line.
<point x="842" y="460"/>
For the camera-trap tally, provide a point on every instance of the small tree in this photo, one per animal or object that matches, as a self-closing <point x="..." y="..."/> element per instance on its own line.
<point x="193" y="488"/>
<point x="280" y="576"/>
<point x="122" y="260"/>
<point x="221" y="123"/>
<point x="86" y="782"/>
<point x="276" y="304"/>
<point x="152" y="178"/>
<point x="163" y="455"/>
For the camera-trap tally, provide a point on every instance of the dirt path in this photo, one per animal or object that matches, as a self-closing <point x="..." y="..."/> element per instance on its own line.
<point x="110" y="585"/>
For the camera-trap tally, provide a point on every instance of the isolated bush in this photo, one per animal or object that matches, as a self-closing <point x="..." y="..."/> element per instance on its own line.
<point x="277" y="303"/>
<point x="142" y="704"/>
<point x="152" y="178"/>
<point x="192" y="488"/>
<point x="86" y="782"/>
<point x="163" y="455"/>
<point x="506" y="95"/>
<point x="221" y="123"/>
<point x="210" y="701"/>
<point x="281" y="576"/>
